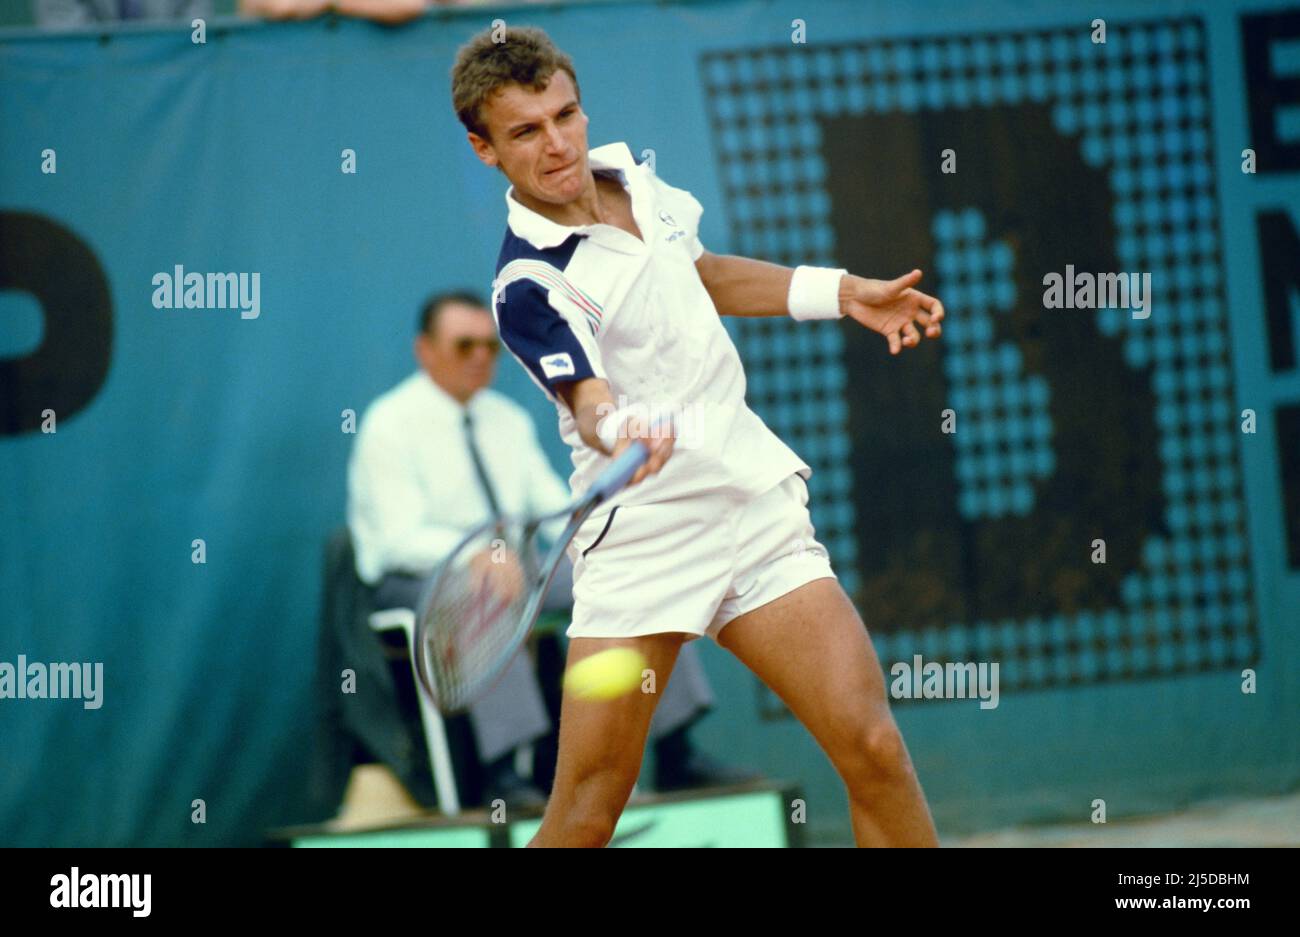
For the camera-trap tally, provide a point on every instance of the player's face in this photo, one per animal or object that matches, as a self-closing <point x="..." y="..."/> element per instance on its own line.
<point x="461" y="353"/>
<point x="538" y="139"/>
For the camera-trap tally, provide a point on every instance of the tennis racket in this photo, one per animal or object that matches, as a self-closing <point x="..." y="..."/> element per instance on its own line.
<point x="484" y="598"/>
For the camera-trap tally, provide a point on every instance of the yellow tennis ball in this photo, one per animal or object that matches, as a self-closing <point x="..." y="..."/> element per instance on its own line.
<point x="606" y="674"/>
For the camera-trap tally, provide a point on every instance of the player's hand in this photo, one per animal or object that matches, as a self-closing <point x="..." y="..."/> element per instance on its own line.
<point x="498" y="569"/>
<point x="659" y="439"/>
<point x="892" y="308"/>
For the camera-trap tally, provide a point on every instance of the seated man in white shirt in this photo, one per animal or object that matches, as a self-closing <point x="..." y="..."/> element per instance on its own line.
<point x="434" y="457"/>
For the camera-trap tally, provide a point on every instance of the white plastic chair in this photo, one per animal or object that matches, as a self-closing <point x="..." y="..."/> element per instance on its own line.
<point x="435" y="732"/>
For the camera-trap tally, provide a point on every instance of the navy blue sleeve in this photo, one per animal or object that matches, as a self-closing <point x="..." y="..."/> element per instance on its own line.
<point x="546" y="343"/>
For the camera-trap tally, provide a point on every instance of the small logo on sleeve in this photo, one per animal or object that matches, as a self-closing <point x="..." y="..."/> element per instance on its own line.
<point x="557" y="365"/>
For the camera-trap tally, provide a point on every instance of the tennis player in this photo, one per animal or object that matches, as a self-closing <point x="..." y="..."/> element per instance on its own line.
<point x="607" y="297"/>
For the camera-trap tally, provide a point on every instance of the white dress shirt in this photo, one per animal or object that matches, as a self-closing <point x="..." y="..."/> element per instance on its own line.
<point x="413" y="492"/>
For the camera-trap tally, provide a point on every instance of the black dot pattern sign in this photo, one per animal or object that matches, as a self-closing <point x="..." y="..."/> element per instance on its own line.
<point x="1055" y="485"/>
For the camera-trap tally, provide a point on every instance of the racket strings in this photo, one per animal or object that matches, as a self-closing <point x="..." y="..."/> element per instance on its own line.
<point x="471" y="625"/>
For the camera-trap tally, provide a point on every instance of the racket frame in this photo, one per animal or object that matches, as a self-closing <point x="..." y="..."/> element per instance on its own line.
<point x="611" y="482"/>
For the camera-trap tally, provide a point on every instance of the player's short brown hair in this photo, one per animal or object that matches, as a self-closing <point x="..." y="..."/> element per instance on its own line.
<point x="484" y="66"/>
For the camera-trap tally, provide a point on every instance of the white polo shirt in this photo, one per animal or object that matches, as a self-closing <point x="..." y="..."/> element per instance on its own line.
<point x="413" y="492"/>
<point x="595" y="301"/>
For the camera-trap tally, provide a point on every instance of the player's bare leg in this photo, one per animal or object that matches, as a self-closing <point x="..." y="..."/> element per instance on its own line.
<point x="811" y="648"/>
<point x="602" y="743"/>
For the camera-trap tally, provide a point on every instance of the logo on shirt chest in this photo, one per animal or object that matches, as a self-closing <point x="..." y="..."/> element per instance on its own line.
<point x="668" y="220"/>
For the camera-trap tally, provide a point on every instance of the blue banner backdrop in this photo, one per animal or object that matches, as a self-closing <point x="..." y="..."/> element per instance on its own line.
<point x="1120" y="681"/>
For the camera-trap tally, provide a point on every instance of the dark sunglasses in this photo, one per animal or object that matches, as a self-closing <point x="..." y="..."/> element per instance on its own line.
<point x="465" y="346"/>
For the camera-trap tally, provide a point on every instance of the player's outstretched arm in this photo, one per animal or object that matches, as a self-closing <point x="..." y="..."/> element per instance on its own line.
<point x="741" y="286"/>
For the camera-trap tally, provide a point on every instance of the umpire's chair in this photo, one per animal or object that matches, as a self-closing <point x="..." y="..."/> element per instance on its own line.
<point x="435" y="731"/>
<point x="374" y="717"/>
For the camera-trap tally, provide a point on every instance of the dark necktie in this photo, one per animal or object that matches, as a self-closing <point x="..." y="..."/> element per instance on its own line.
<point x="478" y="466"/>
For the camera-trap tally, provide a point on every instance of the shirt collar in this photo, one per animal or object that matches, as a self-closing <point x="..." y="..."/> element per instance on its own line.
<point x="542" y="232"/>
<point x="445" y="400"/>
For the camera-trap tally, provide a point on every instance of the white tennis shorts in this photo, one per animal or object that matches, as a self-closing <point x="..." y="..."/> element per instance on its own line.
<point x="692" y="564"/>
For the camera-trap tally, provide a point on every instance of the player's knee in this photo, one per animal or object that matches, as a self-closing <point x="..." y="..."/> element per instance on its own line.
<point x="590" y="828"/>
<point x="577" y="828"/>
<point x="597" y="803"/>
<point x="877" y="755"/>
<point x="592" y="820"/>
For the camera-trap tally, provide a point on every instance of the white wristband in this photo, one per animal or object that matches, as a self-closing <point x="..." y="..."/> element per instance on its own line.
<point x="610" y="427"/>
<point x="815" y="293"/>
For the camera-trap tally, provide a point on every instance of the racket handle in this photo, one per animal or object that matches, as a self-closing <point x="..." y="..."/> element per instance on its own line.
<point x="620" y="471"/>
